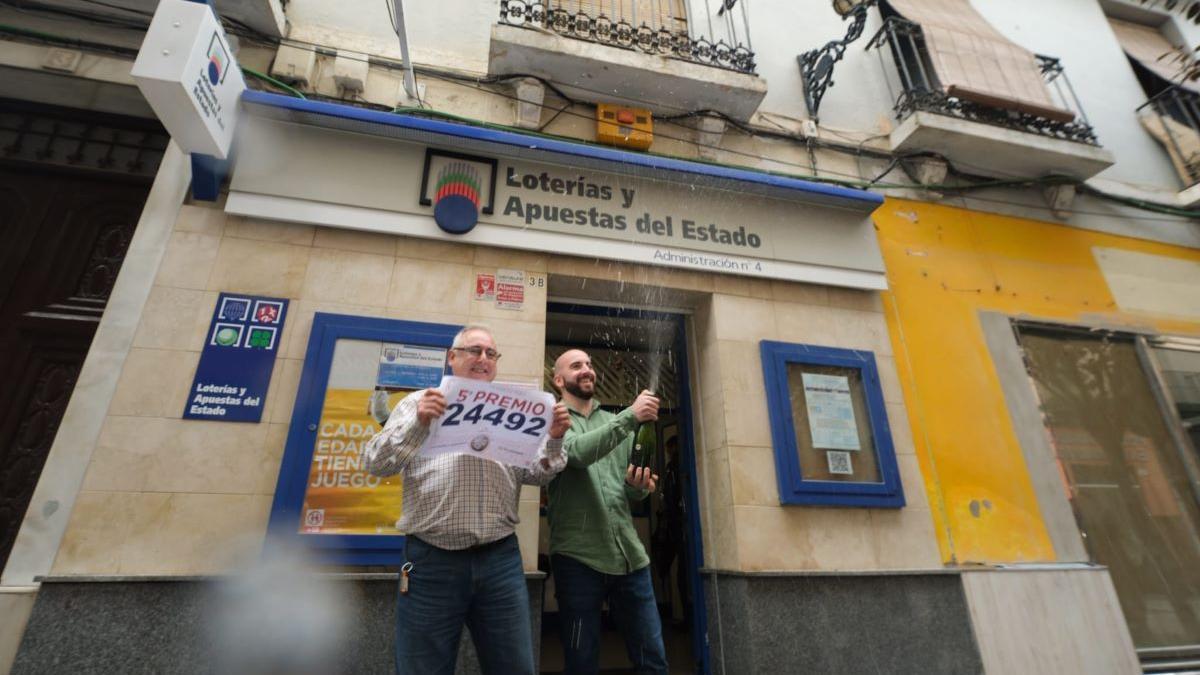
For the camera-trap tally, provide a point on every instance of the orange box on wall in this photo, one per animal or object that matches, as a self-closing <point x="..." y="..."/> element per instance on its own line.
<point x="624" y="127"/>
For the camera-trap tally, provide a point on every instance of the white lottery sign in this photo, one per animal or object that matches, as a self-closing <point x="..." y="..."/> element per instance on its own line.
<point x="493" y="421"/>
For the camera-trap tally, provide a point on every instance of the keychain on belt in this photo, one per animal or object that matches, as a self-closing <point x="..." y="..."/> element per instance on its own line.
<point x="404" y="570"/>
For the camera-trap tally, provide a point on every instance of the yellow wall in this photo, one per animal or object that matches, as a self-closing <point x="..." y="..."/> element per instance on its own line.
<point x="947" y="265"/>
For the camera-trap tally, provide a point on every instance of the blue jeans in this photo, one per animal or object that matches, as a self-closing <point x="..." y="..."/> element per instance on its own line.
<point x="482" y="587"/>
<point x="581" y="592"/>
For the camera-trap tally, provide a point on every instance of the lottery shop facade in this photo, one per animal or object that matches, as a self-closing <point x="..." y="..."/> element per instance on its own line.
<point x="378" y="236"/>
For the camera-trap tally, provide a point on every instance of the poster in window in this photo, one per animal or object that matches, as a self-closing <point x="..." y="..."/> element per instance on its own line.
<point x="830" y="412"/>
<point x="341" y="497"/>
<point x="410" y="366"/>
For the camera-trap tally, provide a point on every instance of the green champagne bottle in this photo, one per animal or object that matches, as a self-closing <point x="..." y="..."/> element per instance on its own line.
<point x="643" y="445"/>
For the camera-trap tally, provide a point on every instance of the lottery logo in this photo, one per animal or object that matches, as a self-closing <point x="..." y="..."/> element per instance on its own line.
<point x="218" y="61"/>
<point x="234" y="309"/>
<point x="456" y="200"/>
<point x="226" y="335"/>
<point x="479" y="443"/>
<point x="267" y="312"/>
<point x="261" y="337"/>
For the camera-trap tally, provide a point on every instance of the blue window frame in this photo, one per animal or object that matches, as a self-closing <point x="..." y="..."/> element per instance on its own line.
<point x="292" y="485"/>
<point x="802" y="479"/>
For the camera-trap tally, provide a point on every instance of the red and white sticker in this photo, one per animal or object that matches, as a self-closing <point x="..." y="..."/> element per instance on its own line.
<point x="510" y="289"/>
<point x="485" y="287"/>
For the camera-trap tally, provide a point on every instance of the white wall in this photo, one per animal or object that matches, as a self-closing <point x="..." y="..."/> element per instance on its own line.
<point x="448" y="33"/>
<point x="783" y="30"/>
<point x="1077" y="32"/>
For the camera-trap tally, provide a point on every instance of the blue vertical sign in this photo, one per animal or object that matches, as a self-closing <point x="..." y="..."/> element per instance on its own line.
<point x="238" y="357"/>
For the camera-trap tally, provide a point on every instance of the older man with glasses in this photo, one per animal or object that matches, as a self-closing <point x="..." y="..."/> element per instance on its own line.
<point x="462" y="564"/>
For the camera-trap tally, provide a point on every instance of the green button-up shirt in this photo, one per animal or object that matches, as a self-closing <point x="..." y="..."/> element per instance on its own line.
<point x="589" y="501"/>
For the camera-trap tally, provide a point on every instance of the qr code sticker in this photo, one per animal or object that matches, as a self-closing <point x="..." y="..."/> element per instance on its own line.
<point x="839" y="463"/>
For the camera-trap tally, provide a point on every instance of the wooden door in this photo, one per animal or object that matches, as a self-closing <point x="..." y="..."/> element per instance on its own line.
<point x="64" y="231"/>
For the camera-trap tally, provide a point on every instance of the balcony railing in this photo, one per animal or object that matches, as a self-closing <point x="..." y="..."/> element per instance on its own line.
<point x="1173" y="117"/>
<point x="911" y="74"/>
<point x="664" y="27"/>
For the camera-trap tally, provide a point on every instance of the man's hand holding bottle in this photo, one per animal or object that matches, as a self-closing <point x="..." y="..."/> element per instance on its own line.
<point x="639" y="474"/>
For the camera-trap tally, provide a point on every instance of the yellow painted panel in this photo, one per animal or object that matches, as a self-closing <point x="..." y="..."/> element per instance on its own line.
<point x="946" y="265"/>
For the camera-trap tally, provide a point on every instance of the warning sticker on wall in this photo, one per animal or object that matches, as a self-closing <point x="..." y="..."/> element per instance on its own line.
<point x="510" y="289"/>
<point x="485" y="287"/>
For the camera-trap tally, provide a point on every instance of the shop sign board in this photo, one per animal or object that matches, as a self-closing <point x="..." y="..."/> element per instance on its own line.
<point x="493" y="200"/>
<point x="239" y="354"/>
<point x="188" y="74"/>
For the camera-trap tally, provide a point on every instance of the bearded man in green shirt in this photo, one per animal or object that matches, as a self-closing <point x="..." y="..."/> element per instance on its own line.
<point x="595" y="551"/>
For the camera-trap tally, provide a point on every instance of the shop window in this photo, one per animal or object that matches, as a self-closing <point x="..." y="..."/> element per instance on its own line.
<point x="1179" y="362"/>
<point x="829" y="427"/>
<point x="324" y="500"/>
<point x="1128" y="470"/>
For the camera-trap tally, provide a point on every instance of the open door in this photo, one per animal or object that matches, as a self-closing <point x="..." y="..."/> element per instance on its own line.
<point x="633" y="350"/>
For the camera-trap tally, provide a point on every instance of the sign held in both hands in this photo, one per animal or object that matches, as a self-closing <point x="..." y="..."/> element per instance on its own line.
<point x="505" y="423"/>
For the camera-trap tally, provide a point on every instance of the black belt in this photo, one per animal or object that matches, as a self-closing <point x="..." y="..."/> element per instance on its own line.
<point x="478" y="548"/>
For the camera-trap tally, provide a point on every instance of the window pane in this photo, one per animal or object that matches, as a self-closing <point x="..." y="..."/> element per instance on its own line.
<point x="1181" y="370"/>
<point x="340" y="496"/>
<point x="832" y="402"/>
<point x="1128" y="486"/>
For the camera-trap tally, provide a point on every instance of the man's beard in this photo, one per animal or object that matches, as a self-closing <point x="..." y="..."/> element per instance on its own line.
<point x="578" y="392"/>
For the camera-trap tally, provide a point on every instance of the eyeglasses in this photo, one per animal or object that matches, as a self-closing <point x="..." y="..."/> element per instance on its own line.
<point x="478" y="352"/>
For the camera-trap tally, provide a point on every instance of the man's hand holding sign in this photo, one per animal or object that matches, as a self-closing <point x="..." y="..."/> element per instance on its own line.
<point x="499" y="422"/>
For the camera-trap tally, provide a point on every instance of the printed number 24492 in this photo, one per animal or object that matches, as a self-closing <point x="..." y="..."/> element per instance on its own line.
<point x="457" y="413"/>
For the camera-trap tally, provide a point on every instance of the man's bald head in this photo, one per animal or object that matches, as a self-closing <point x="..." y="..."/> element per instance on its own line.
<point x="573" y="375"/>
<point x="566" y="357"/>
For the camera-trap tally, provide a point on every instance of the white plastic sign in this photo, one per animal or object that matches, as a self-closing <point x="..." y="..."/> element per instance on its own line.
<point x="188" y="74"/>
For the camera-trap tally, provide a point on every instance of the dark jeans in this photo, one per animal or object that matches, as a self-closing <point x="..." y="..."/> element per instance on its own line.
<point x="482" y="587"/>
<point x="581" y="592"/>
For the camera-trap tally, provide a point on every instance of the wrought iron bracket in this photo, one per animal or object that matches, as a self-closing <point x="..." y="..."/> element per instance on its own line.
<point x="816" y="66"/>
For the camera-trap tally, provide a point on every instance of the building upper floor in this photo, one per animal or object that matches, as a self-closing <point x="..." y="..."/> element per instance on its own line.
<point x="1020" y="104"/>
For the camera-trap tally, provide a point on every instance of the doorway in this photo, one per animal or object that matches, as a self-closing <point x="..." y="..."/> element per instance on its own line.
<point x="632" y="350"/>
<point x="72" y="187"/>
